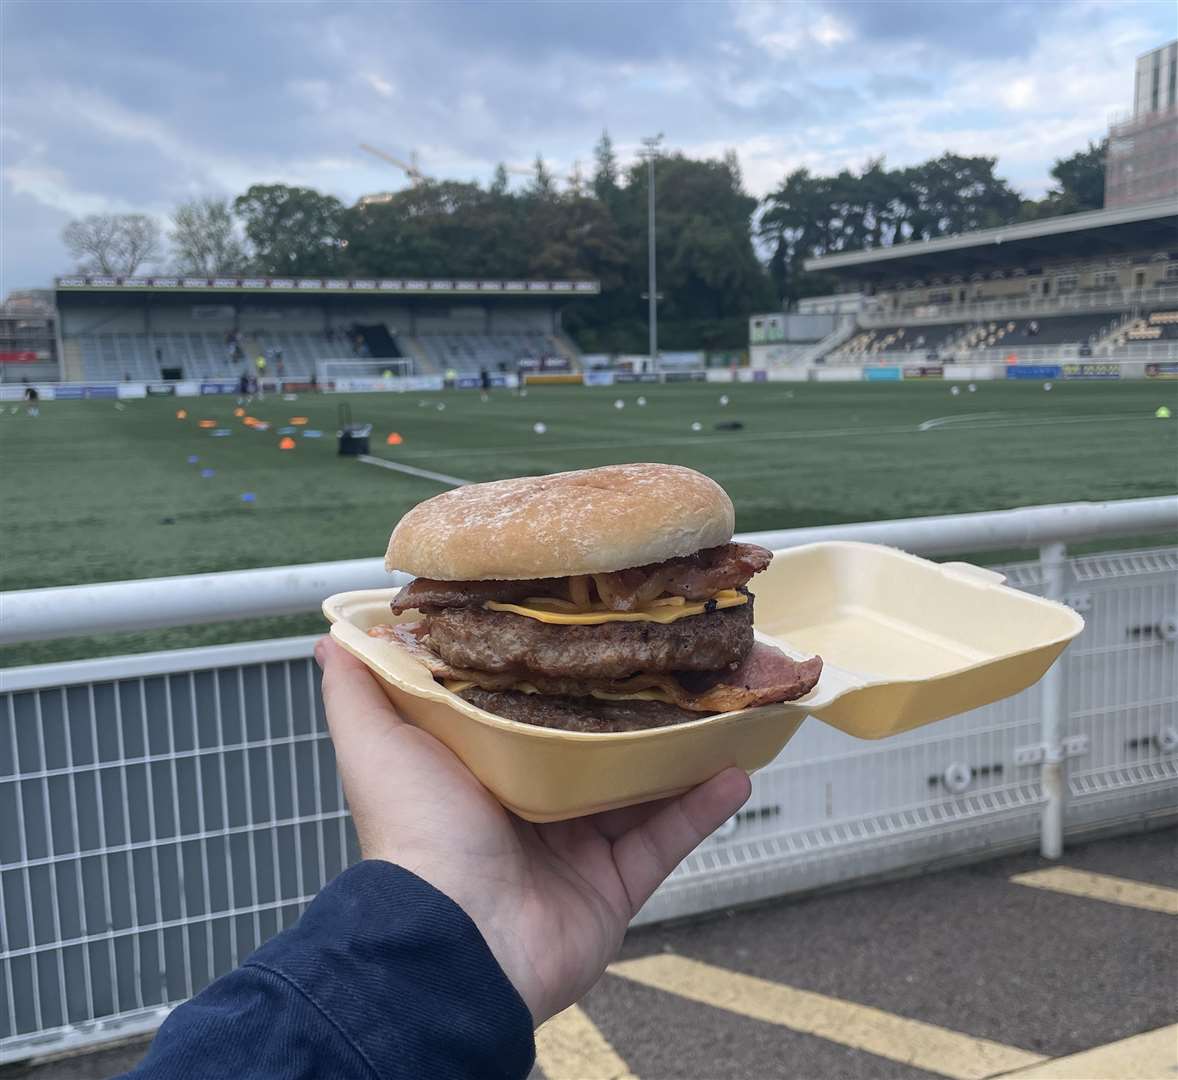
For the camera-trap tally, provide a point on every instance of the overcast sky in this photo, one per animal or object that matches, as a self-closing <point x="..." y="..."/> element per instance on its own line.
<point x="135" y="106"/>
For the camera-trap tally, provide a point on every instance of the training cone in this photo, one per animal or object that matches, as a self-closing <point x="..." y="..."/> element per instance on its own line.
<point x="206" y="423"/>
<point x="394" y="439"/>
<point x="181" y="414"/>
<point x="239" y="412"/>
<point x="287" y="443"/>
<point x="1163" y="412"/>
<point x="298" y="421"/>
<point x="249" y="421"/>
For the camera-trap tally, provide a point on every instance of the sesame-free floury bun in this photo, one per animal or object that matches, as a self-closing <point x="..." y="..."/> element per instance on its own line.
<point x="602" y="600"/>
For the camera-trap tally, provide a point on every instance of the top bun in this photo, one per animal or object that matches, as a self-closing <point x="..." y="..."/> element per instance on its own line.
<point x="589" y="522"/>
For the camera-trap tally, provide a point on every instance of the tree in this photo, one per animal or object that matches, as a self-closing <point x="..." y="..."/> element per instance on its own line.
<point x="1079" y="184"/>
<point x="293" y="230"/>
<point x="116" y="244"/>
<point x="605" y="172"/>
<point x="542" y="184"/>
<point x="204" y="239"/>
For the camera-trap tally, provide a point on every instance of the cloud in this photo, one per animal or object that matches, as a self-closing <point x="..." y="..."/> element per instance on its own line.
<point x="141" y="105"/>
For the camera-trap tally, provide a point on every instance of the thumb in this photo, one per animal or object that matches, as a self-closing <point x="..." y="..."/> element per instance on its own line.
<point x="356" y="706"/>
<point x="647" y="853"/>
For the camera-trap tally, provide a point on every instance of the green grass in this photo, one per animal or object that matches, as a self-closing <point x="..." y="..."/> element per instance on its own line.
<point x="92" y="492"/>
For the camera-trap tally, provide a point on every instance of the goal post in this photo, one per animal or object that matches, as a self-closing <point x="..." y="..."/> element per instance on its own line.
<point x="364" y="370"/>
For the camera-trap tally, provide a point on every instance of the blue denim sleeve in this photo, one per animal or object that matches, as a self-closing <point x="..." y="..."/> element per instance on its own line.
<point x="383" y="976"/>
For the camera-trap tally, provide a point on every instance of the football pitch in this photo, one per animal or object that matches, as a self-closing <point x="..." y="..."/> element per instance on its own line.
<point x="99" y="490"/>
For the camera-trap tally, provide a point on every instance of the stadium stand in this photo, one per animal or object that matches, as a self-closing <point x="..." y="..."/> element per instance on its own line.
<point x="1102" y="283"/>
<point x="149" y="330"/>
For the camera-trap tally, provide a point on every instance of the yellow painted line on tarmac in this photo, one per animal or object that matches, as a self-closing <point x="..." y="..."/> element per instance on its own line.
<point x="1150" y="1056"/>
<point x="925" y="1046"/>
<point x="1112" y="890"/>
<point x="569" y="1047"/>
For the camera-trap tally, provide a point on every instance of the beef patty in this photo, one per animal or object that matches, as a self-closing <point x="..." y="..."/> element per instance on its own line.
<point x="578" y="714"/>
<point x="502" y="641"/>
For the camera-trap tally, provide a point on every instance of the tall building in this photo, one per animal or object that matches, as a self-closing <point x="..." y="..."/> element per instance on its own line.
<point x="1142" y="163"/>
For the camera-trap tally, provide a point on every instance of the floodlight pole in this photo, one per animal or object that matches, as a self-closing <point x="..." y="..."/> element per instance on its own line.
<point x="651" y="143"/>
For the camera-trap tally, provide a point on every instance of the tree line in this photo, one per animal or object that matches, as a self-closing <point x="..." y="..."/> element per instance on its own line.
<point x="722" y="254"/>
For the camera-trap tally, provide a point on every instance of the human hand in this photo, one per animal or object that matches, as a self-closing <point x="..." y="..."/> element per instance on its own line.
<point x="552" y="901"/>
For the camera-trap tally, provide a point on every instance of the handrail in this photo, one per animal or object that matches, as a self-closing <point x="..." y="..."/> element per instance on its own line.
<point x="76" y="610"/>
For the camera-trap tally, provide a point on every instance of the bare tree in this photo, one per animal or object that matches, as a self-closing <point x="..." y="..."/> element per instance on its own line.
<point x="205" y="240"/>
<point x="113" y="243"/>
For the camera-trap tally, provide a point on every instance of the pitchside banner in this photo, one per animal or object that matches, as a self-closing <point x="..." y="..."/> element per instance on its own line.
<point x="1032" y="371"/>
<point x="599" y="378"/>
<point x="881" y="374"/>
<point x="684" y="376"/>
<point x="1091" y="371"/>
<point x="222" y="386"/>
<point x="635" y="376"/>
<point x="1167" y="369"/>
<point x="924" y="371"/>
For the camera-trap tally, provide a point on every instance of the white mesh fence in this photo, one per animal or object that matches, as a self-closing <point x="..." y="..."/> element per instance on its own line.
<point x="161" y="816"/>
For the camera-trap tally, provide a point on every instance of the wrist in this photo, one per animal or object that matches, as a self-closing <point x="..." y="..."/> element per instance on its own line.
<point x="498" y="928"/>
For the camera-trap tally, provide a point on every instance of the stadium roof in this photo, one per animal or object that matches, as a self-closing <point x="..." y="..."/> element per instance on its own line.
<point x="1093" y="233"/>
<point x="303" y="286"/>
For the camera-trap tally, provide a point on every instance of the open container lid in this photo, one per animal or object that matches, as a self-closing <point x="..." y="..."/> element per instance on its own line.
<point x="905" y="641"/>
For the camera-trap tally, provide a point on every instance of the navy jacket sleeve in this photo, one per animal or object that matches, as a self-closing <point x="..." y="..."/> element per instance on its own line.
<point x="383" y="976"/>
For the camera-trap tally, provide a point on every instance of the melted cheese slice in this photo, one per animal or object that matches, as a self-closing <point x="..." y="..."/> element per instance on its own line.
<point x="667" y="609"/>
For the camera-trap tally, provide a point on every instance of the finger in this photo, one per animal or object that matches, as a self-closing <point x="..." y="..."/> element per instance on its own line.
<point x="647" y="853"/>
<point x="356" y="706"/>
<point x="614" y="823"/>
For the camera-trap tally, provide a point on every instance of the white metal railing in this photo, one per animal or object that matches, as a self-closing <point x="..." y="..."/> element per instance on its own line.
<point x="1139" y="350"/>
<point x="875" y="313"/>
<point x="171" y="811"/>
<point x="80" y="610"/>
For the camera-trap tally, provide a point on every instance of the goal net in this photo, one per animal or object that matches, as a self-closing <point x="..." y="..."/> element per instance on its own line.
<point x="362" y="372"/>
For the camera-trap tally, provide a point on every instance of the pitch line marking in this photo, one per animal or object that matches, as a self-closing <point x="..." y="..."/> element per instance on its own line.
<point x="1148" y="1056"/>
<point x="412" y="470"/>
<point x="570" y="1047"/>
<point x="1112" y="890"/>
<point x="861" y="1027"/>
<point x="941" y="421"/>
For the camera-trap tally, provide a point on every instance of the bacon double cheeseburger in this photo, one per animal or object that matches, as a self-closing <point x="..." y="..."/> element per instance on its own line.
<point x="609" y="599"/>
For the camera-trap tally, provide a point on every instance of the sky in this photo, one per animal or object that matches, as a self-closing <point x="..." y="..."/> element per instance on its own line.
<point x="136" y="106"/>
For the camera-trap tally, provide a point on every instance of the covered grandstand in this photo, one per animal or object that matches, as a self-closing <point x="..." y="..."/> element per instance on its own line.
<point x="162" y="328"/>
<point x="1100" y="284"/>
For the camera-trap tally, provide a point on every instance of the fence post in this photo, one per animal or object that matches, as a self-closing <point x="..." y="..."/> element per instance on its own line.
<point x="1053" y="562"/>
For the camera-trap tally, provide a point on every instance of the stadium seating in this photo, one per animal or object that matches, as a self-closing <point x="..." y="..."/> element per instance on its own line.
<point x="954" y="339"/>
<point x="113" y="357"/>
<point x="199" y="355"/>
<point x="1156" y="326"/>
<point x="466" y="353"/>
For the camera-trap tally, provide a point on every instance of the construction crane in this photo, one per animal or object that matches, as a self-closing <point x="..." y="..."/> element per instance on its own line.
<point x="410" y="168"/>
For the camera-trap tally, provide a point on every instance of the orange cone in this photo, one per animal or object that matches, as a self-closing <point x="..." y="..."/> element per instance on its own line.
<point x="287" y="443"/>
<point x="249" y="421"/>
<point x="298" y="421"/>
<point x="206" y="423"/>
<point x="181" y="414"/>
<point x="394" y="439"/>
<point x="239" y="411"/>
